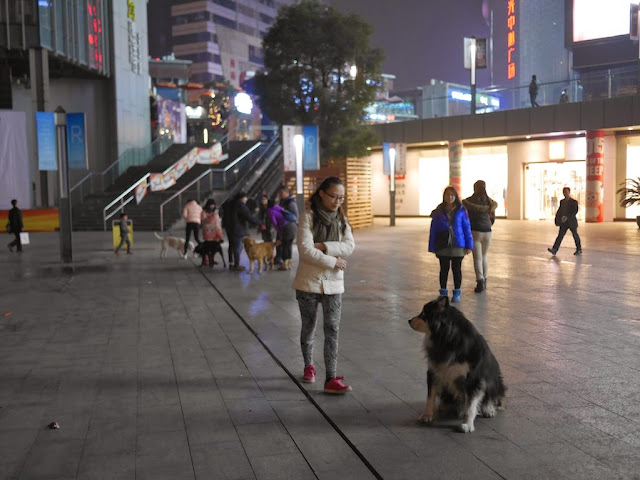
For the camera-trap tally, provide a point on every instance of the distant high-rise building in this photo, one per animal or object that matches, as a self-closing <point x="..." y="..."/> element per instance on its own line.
<point x="223" y="38"/>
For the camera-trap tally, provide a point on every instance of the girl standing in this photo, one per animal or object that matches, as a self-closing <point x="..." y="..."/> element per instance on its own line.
<point x="450" y="239"/>
<point x="324" y="241"/>
<point x="481" y="215"/>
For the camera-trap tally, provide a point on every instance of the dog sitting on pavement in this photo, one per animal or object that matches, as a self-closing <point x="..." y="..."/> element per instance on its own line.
<point x="262" y="252"/>
<point x="208" y="250"/>
<point x="173" y="242"/>
<point x="460" y="364"/>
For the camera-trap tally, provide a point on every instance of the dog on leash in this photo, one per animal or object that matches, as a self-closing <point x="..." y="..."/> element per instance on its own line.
<point x="460" y="364"/>
<point x="262" y="252"/>
<point x="208" y="249"/>
<point x="173" y="242"/>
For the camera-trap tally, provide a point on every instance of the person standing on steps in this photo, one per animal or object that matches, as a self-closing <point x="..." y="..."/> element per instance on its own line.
<point x="482" y="214"/>
<point x="450" y="239"/>
<point x="566" y="220"/>
<point x="324" y="241"/>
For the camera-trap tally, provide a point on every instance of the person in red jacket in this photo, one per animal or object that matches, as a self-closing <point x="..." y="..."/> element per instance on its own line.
<point x="211" y="230"/>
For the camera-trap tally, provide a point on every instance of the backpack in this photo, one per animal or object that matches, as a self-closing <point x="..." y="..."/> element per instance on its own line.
<point x="289" y="216"/>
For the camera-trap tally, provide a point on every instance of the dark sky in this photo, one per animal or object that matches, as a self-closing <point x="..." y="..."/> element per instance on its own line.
<point x="422" y="39"/>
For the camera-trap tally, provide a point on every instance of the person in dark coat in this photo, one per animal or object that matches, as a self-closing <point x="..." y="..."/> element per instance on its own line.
<point x="243" y="216"/>
<point x="482" y="214"/>
<point x="566" y="220"/>
<point x="534" y="86"/>
<point x="15" y="226"/>
<point x="288" y="202"/>
<point x="450" y="239"/>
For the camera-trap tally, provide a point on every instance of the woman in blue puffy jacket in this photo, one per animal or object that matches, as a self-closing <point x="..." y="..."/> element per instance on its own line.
<point x="450" y="239"/>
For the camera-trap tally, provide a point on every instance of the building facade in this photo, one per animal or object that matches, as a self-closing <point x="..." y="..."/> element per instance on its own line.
<point x="223" y="38"/>
<point x="86" y="56"/>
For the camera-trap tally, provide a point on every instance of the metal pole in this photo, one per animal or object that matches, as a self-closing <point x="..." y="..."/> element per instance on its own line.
<point x="64" y="205"/>
<point x="472" y="55"/>
<point x="392" y="187"/>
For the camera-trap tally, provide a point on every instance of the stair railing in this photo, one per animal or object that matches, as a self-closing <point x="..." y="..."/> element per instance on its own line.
<point x="226" y="171"/>
<point x="120" y="201"/>
<point x="98" y="182"/>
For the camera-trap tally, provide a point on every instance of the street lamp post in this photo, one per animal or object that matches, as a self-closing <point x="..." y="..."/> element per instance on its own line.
<point x="472" y="59"/>
<point x="392" y="187"/>
<point x="64" y="204"/>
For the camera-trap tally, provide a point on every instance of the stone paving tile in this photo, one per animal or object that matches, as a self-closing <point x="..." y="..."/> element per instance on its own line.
<point x="107" y="467"/>
<point x="226" y="460"/>
<point x="125" y="340"/>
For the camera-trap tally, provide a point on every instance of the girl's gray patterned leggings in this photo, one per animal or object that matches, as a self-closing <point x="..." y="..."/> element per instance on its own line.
<point x="331" y="309"/>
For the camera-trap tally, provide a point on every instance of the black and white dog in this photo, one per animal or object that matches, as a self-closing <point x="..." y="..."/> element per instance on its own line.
<point x="460" y="364"/>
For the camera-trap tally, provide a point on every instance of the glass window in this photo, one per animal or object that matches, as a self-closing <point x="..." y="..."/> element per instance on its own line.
<point x="60" y="26"/>
<point x="544" y="183"/>
<point x="225" y="22"/>
<point x="81" y="25"/>
<point x="45" y="16"/>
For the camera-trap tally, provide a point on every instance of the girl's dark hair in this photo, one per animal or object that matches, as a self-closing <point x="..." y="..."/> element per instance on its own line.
<point x="210" y="206"/>
<point x="270" y="203"/>
<point x="457" y="201"/>
<point x="315" y="200"/>
<point x="480" y="188"/>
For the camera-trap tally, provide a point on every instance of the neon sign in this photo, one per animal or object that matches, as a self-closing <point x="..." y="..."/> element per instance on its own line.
<point x="94" y="36"/>
<point x="511" y="39"/>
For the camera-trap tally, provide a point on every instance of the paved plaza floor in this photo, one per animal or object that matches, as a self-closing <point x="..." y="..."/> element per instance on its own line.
<point x="156" y="369"/>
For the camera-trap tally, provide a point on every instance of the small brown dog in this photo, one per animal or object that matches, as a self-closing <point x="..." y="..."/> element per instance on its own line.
<point x="262" y="252"/>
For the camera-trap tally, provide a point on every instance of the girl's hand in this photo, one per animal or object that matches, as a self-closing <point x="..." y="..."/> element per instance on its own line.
<point x="341" y="263"/>
<point x="320" y="246"/>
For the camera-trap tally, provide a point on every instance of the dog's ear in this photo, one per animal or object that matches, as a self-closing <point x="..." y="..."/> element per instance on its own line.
<point x="443" y="303"/>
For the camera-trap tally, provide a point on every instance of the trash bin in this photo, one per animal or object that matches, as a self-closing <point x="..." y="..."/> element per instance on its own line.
<point x="115" y="228"/>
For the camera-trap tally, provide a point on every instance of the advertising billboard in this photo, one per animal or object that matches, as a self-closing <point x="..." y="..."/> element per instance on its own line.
<point x="595" y="19"/>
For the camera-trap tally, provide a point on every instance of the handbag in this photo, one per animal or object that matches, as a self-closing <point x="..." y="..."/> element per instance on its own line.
<point x="24" y="238"/>
<point x="444" y="239"/>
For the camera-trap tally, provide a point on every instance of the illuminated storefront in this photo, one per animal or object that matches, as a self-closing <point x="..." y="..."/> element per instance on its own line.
<point x="633" y="171"/>
<point x="544" y="183"/>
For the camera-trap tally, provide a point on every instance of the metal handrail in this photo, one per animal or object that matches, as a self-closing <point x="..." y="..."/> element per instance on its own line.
<point x="104" y="172"/>
<point x="203" y="175"/>
<point x="120" y="198"/>
<point x="180" y="192"/>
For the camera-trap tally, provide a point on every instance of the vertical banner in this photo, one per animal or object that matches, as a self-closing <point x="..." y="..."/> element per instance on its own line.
<point x="594" y="211"/>
<point x="310" y="154"/>
<point x="455" y="165"/>
<point x="288" y="151"/>
<point x="46" y="139"/>
<point x="77" y="141"/>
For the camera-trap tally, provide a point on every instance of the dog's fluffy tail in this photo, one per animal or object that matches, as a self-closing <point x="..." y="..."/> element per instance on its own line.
<point x="158" y="236"/>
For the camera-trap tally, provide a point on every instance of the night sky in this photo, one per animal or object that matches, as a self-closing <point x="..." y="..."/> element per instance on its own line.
<point x="422" y="39"/>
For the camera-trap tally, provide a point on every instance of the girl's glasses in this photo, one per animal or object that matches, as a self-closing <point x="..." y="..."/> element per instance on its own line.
<point x="336" y="198"/>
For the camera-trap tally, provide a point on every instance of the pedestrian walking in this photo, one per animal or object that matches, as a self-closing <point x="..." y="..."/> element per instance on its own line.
<point x="192" y="214"/>
<point x="324" y="241"/>
<point x="211" y="231"/>
<point x="450" y="239"/>
<point x="124" y="234"/>
<point x="15" y="226"/>
<point x="534" y="87"/>
<point x="288" y="202"/>
<point x="566" y="219"/>
<point x="243" y="216"/>
<point x="285" y="225"/>
<point x="482" y="214"/>
<point x="564" y="98"/>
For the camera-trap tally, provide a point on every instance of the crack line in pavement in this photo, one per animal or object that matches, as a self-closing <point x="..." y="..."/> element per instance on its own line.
<point x="295" y="380"/>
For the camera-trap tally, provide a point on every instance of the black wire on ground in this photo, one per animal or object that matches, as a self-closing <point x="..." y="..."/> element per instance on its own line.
<point x="298" y="384"/>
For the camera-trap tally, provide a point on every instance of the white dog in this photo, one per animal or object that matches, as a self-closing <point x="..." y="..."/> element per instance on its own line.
<point x="173" y="242"/>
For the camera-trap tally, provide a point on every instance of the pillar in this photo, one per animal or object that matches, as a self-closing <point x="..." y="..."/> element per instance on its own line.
<point x="39" y="79"/>
<point x="594" y="211"/>
<point x="455" y="165"/>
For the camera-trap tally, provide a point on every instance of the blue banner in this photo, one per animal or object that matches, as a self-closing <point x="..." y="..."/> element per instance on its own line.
<point x="46" y="138"/>
<point x="76" y="142"/>
<point x="310" y="154"/>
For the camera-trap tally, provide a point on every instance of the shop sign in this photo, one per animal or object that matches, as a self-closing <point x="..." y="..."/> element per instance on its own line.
<point x="511" y="39"/>
<point x="594" y="211"/>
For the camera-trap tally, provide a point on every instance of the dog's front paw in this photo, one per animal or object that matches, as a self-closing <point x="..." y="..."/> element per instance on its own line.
<point x="466" y="427"/>
<point x="426" y="418"/>
<point x="489" y="411"/>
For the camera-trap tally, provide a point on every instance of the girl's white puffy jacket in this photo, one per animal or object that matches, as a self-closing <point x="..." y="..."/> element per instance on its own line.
<point x="192" y="212"/>
<point x="317" y="272"/>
